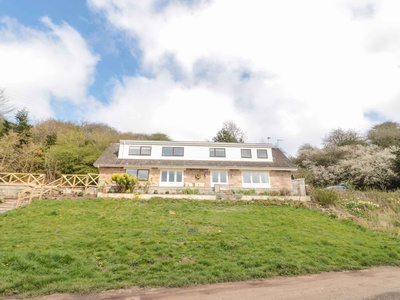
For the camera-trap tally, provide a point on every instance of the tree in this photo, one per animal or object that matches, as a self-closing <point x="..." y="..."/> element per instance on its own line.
<point x="339" y="137"/>
<point x="5" y="108"/>
<point x="385" y="135"/>
<point x="230" y="133"/>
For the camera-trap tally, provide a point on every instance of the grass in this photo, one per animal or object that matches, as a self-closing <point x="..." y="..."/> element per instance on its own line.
<point x="375" y="210"/>
<point x="91" y="245"/>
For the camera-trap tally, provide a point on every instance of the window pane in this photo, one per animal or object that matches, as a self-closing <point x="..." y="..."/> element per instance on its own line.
<point x="171" y="176"/>
<point x="256" y="177"/>
<point x="145" y="151"/>
<point x="133" y="172"/>
<point x="262" y="153"/>
<point x="163" y="176"/>
<point x="143" y="174"/>
<point x="178" y="151"/>
<point x="246" y="153"/>
<point x="134" y="150"/>
<point x="166" y="151"/>
<point x="220" y="152"/>
<point x="264" y="177"/>
<point x="212" y="152"/>
<point x="223" y="177"/>
<point x="246" y="177"/>
<point x="178" y="176"/>
<point x="214" y="177"/>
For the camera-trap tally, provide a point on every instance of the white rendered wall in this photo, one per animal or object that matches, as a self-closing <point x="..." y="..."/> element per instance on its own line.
<point x="195" y="151"/>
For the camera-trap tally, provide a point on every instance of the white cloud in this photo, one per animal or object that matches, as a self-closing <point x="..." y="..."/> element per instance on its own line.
<point x="310" y="66"/>
<point x="40" y="65"/>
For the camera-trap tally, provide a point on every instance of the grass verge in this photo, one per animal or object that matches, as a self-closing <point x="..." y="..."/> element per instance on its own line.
<point x="92" y="245"/>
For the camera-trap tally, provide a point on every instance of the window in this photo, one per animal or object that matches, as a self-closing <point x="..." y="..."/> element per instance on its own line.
<point x="136" y="150"/>
<point x="219" y="177"/>
<point x="172" y="151"/>
<point x="246" y="153"/>
<point x="255" y="179"/>
<point x="171" y="178"/>
<point x="217" y="152"/>
<point x="140" y="174"/>
<point x="262" y="153"/>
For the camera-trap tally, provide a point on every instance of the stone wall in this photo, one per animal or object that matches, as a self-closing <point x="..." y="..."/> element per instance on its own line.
<point x="281" y="180"/>
<point x="200" y="178"/>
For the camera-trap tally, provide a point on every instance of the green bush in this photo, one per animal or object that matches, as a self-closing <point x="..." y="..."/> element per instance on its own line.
<point x="190" y="191"/>
<point x="246" y="192"/>
<point x="325" y="197"/>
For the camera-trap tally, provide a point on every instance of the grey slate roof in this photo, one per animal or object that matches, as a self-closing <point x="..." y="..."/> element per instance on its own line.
<point x="109" y="158"/>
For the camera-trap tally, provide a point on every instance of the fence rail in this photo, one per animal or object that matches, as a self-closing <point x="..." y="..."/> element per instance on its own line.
<point x="36" y="185"/>
<point x="22" y="178"/>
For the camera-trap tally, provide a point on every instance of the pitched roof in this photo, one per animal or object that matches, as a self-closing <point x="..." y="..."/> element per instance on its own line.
<point x="109" y="158"/>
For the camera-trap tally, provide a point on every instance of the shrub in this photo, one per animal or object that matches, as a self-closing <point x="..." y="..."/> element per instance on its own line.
<point x="284" y="192"/>
<point x="246" y="192"/>
<point x="325" y="197"/>
<point x="125" y="182"/>
<point x="190" y="191"/>
<point x="270" y="193"/>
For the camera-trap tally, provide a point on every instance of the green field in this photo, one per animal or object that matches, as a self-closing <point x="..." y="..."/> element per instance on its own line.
<point x="92" y="245"/>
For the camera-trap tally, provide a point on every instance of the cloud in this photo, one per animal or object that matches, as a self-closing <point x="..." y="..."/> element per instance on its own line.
<point x="290" y="70"/>
<point x="42" y="67"/>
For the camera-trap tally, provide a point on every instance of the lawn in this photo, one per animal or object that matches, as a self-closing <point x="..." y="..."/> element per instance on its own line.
<point x="92" y="245"/>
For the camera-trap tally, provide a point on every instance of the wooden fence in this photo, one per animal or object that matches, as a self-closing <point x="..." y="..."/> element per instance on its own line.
<point x="22" y="178"/>
<point x="36" y="185"/>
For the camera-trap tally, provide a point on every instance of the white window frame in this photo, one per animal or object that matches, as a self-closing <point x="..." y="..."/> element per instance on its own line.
<point x="212" y="183"/>
<point x="171" y="183"/>
<point x="253" y="181"/>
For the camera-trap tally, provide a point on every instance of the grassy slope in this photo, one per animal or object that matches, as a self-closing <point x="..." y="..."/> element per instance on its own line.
<point x="85" y="245"/>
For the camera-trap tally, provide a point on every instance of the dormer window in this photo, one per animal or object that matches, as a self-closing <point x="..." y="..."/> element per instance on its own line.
<point x="172" y="151"/>
<point x="246" y="153"/>
<point x="139" y="150"/>
<point x="262" y="153"/>
<point x="217" y="152"/>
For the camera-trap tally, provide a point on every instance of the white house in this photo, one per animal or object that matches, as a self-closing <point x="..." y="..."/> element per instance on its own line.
<point x="175" y="165"/>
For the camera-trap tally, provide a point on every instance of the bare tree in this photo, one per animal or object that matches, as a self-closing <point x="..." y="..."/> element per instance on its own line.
<point x="340" y="137"/>
<point x="230" y="133"/>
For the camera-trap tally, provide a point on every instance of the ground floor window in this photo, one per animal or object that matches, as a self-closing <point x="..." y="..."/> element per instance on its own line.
<point x="171" y="178"/>
<point x="140" y="174"/>
<point x="255" y="179"/>
<point x="219" y="177"/>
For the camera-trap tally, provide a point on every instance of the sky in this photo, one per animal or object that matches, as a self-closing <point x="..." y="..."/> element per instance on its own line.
<point x="286" y="71"/>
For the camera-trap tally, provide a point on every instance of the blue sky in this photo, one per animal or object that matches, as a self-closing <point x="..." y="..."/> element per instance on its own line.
<point x="290" y="70"/>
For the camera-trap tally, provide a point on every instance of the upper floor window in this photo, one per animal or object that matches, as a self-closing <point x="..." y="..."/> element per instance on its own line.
<point x="217" y="152"/>
<point x="172" y="151"/>
<point x="262" y="153"/>
<point x="139" y="150"/>
<point x="246" y="153"/>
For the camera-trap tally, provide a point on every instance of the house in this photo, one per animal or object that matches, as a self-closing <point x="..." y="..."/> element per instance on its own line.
<point x="203" y="165"/>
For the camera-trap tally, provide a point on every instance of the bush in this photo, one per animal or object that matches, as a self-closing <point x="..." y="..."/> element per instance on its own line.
<point x="190" y="191"/>
<point x="125" y="182"/>
<point x="284" y="192"/>
<point x="325" y="197"/>
<point x="246" y="192"/>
